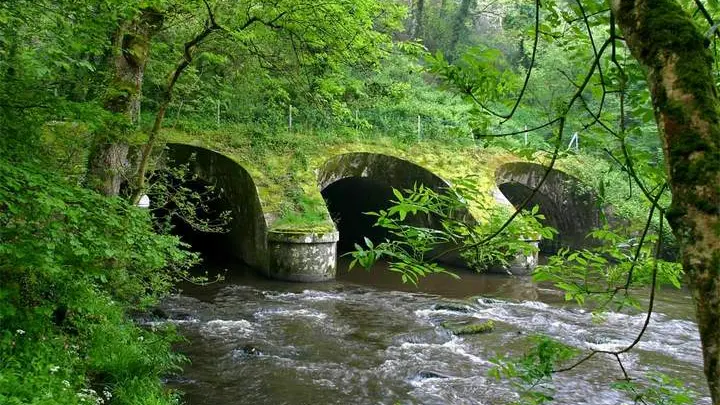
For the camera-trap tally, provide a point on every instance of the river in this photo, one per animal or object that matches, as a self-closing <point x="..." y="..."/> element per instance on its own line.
<point x="368" y="339"/>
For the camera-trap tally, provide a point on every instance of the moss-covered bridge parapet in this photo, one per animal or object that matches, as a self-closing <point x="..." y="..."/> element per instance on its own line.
<point x="281" y="222"/>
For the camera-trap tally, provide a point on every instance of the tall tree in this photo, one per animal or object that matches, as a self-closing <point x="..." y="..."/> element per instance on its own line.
<point x="418" y="17"/>
<point x="663" y="38"/>
<point x="130" y="54"/>
<point x="458" y="26"/>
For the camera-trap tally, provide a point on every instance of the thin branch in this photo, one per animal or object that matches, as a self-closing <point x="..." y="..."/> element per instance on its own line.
<point x="549" y="168"/>
<point x="574" y="20"/>
<point x="524" y="131"/>
<point x="509" y="115"/>
<point x="597" y="57"/>
<point x="644" y="234"/>
<point x="653" y="287"/>
<point x="708" y="18"/>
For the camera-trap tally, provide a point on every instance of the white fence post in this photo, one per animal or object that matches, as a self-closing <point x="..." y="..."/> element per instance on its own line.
<point x="290" y="117"/>
<point x="419" y="128"/>
<point x="218" y="112"/>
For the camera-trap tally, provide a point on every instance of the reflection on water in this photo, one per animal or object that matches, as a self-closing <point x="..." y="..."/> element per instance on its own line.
<point x="368" y="339"/>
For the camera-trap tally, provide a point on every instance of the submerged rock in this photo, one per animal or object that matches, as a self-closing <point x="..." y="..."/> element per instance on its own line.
<point x="469" y="328"/>
<point x="430" y="374"/>
<point x="479" y="299"/>
<point x="422" y="336"/>
<point x="247" y="351"/>
<point x="452" y="306"/>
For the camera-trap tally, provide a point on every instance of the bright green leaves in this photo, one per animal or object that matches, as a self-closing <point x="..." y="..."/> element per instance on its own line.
<point x="72" y="265"/>
<point x="607" y="274"/>
<point x="60" y="234"/>
<point x="658" y="389"/>
<point x="425" y="225"/>
<point x="532" y="376"/>
<point x="481" y="75"/>
<point x="532" y="372"/>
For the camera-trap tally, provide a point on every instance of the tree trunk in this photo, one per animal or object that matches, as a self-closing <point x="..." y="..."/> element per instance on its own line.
<point x="418" y="17"/>
<point x="665" y="41"/>
<point x="458" y="27"/>
<point x="131" y="48"/>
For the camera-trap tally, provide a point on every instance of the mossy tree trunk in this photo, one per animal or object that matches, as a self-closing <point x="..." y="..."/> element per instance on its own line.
<point x="673" y="51"/>
<point x="458" y="27"/>
<point x="418" y="18"/>
<point x="130" y="53"/>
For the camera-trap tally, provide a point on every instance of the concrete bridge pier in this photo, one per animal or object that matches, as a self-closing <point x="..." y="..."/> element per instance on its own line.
<point x="304" y="257"/>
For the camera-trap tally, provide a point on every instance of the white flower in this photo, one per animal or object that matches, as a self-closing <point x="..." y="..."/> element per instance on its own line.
<point x="89" y="394"/>
<point x="54" y="369"/>
<point x="66" y="383"/>
<point x="107" y="394"/>
<point x="20" y="332"/>
<point x="140" y="338"/>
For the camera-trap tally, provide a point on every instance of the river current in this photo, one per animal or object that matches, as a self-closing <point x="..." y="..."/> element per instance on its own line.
<point x="368" y="339"/>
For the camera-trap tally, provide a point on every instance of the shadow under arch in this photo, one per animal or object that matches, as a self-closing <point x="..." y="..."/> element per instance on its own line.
<point x="246" y="238"/>
<point x="354" y="183"/>
<point x="566" y="202"/>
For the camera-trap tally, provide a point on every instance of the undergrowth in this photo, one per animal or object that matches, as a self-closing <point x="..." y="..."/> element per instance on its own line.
<point x="73" y="265"/>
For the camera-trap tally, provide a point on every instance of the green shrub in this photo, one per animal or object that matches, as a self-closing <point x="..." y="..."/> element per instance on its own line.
<point x="72" y="264"/>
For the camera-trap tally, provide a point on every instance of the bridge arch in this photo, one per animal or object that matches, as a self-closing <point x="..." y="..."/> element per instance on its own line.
<point x="568" y="205"/>
<point x="247" y="235"/>
<point x="354" y="183"/>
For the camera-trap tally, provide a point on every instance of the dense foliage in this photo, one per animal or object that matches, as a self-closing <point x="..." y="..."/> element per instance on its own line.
<point x="73" y="263"/>
<point x="87" y="87"/>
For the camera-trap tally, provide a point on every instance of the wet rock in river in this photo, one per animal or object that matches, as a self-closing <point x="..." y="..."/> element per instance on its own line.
<point x="423" y="374"/>
<point x="452" y="306"/>
<point x="420" y="336"/>
<point x="485" y="300"/>
<point x="247" y="351"/>
<point x="469" y="328"/>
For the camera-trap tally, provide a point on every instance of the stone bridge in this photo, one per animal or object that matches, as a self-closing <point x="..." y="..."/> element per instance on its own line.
<point x="347" y="184"/>
<point x="568" y="205"/>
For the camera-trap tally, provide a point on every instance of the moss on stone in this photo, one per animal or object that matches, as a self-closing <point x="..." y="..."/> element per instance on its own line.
<point x="286" y="180"/>
<point x="470" y="328"/>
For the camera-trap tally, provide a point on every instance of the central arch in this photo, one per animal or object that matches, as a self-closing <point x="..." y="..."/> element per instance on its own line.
<point x="354" y="183"/>
<point x="568" y="205"/>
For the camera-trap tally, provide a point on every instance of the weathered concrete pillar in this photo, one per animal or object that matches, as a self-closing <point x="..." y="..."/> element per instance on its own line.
<point x="304" y="257"/>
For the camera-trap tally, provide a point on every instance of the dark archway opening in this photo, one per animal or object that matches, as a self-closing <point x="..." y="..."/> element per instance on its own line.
<point x="347" y="200"/>
<point x="198" y="219"/>
<point x="517" y="193"/>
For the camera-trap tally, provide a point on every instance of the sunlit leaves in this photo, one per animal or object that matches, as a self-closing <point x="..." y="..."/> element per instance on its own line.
<point x="607" y="273"/>
<point x="531" y="373"/>
<point x="425" y="225"/>
<point x="70" y="237"/>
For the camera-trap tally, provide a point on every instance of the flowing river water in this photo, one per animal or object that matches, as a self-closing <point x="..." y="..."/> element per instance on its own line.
<point x="368" y="339"/>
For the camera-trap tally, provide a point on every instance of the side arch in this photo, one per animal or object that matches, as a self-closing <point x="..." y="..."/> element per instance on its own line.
<point x="247" y="237"/>
<point x="567" y="203"/>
